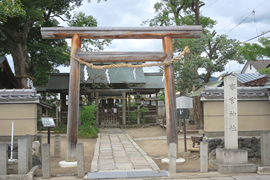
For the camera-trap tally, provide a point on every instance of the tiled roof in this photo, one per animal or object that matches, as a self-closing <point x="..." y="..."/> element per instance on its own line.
<point x="242" y="92"/>
<point x="210" y="84"/>
<point x="247" y="77"/>
<point x="18" y="95"/>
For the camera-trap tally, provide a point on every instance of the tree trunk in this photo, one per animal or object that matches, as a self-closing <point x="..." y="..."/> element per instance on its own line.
<point x="20" y="63"/>
<point x="17" y="42"/>
<point x="197" y="12"/>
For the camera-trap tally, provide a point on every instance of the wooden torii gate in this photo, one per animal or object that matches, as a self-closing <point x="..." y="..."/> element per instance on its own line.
<point x="77" y="33"/>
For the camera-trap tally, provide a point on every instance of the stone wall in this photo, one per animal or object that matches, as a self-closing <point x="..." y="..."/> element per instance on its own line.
<point x="252" y="145"/>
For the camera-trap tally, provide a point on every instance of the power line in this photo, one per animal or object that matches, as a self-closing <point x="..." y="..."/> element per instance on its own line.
<point x="244" y="15"/>
<point x="257" y="36"/>
<point x="210" y="4"/>
<point x="239" y="23"/>
<point x="255" y="22"/>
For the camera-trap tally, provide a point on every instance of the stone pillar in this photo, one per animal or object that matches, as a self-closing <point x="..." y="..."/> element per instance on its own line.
<point x="39" y="138"/>
<point x="129" y="104"/>
<point x="80" y="160"/>
<point x="57" y="146"/>
<point x="204" y="156"/>
<point x="230" y="113"/>
<point x="3" y="158"/>
<point x="124" y="108"/>
<point x="156" y="107"/>
<point x="46" y="163"/>
<point x="29" y="146"/>
<point x="265" y="151"/>
<point x="57" y="114"/>
<point x="172" y="158"/>
<point x="97" y="108"/>
<point x="138" y="114"/>
<point x="23" y="164"/>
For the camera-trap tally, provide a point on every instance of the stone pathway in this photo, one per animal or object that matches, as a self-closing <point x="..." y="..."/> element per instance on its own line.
<point x="115" y="150"/>
<point x="160" y="138"/>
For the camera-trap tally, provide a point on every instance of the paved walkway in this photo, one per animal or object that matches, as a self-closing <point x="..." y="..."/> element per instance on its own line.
<point x="184" y="176"/>
<point x="115" y="150"/>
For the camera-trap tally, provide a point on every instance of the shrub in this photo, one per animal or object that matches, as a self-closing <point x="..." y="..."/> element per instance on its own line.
<point x="142" y="111"/>
<point x="87" y="118"/>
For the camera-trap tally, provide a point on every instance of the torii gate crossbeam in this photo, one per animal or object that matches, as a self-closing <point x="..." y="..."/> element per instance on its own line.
<point x="77" y="33"/>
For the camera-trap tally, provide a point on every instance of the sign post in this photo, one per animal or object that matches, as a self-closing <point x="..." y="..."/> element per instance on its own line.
<point x="48" y="122"/>
<point x="184" y="102"/>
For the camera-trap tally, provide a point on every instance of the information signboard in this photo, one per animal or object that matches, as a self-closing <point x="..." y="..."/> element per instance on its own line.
<point x="47" y="122"/>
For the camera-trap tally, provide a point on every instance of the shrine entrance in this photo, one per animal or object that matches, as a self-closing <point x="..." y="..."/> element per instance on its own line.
<point x="108" y="113"/>
<point x="124" y="58"/>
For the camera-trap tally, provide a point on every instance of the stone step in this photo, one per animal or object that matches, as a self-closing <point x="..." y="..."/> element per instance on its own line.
<point x="233" y="168"/>
<point x="126" y="174"/>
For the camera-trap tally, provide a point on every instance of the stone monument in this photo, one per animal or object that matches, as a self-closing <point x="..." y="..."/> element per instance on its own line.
<point x="231" y="159"/>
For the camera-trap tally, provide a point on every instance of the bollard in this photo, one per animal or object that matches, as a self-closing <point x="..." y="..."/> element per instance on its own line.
<point x="29" y="146"/>
<point x="265" y="151"/>
<point x="172" y="158"/>
<point x="80" y="160"/>
<point x="46" y="163"/>
<point x="204" y="156"/>
<point x="23" y="155"/>
<point x="57" y="146"/>
<point x="3" y="158"/>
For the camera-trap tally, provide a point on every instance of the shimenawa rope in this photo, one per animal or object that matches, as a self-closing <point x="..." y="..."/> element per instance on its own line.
<point x="177" y="58"/>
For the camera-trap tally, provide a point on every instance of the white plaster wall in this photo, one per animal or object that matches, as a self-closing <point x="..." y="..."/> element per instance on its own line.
<point x="250" y="70"/>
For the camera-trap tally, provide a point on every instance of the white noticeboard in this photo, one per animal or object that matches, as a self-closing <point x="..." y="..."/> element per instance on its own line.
<point x="47" y="122"/>
<point x="184" y="102"/>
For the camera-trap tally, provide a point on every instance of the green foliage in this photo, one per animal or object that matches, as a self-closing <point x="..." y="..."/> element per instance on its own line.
<point x="142" y="111"/>
<point x="20" y="35"/>
<point x="8" y="9"/>
<point x="264" y="71"/>
<point x="219" y="50"/>
<point x="88" y="132"/>
<point x="87" y="118"/>
<point x="79" y="19"/>
<point x="161" y="95"/>
<point x="252" y="52"/>
<point x="209" y="53"/>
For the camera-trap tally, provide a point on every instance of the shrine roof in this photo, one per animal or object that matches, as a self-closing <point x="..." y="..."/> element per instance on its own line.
<point x="144" y="81"/>
<point x="116" y="75"/>
<point x="152" y="81"/>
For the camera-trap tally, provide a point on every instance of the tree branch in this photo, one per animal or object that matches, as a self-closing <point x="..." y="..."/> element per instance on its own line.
<point x="47" y="16"/>
<point x="61" y="18"/>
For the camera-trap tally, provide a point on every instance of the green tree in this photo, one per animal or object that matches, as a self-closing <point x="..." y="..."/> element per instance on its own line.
<point x="20" y="35"/>
<point x="252" y="52"/>
<point x="87" y="118"/>
<point x="211" y="52"/>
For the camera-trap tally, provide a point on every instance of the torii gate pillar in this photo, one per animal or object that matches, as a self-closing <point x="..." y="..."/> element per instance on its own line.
<point x="73" y="101"/>
<point x="171" y="118"/>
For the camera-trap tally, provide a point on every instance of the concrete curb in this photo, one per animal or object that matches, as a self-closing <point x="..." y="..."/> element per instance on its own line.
<point x="28" y="176"/>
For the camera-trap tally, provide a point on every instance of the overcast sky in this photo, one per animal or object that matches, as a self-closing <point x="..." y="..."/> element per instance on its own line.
<point x="234" y="17"/>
